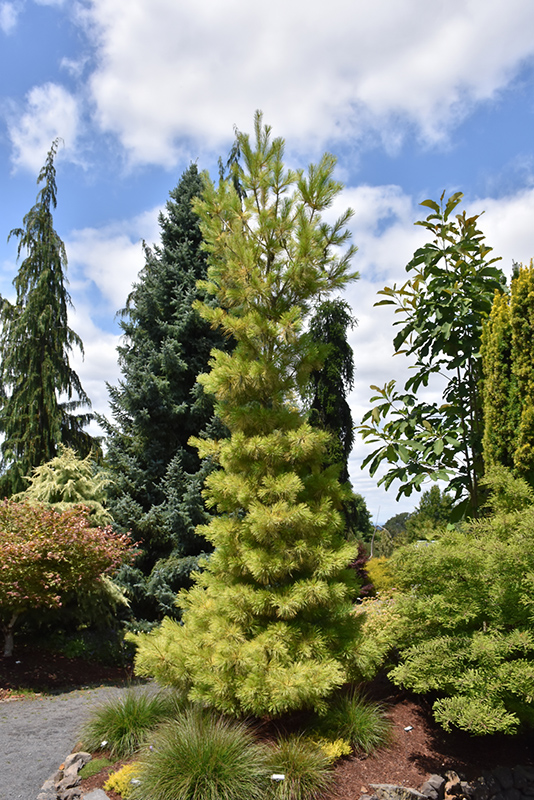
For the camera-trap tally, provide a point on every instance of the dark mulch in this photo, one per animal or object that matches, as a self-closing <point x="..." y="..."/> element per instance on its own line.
<point x="412" y="756"/>
<point x="45" y="671"/>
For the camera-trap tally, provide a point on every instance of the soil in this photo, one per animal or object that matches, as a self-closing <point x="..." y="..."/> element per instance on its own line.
<point x="37" y="670"/>
<point x="418" y="747"/>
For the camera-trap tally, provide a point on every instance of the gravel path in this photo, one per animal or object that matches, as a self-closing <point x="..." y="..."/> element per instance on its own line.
<point x="37" y="734"/>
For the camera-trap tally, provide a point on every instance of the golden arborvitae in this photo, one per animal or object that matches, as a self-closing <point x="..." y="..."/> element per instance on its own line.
<point x="500" y="425"/>
<point x="268" y="626"/>
<point x="522" y="320"/>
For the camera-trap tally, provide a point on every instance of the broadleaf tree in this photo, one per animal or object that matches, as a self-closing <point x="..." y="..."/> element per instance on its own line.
<point x="35" y="342"/>
<point x="441" y="309"/>
<point x="157" y="406"/>
<point x="268" y="626"/>
<point x="45" y="554"/>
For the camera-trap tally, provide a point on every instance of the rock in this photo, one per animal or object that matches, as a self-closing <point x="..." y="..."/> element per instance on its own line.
<point x="467" y="789"/>
<point x="389" y="791"/>
<point x="523" y="777"/>
<point x="96" y="794"/>
<point x="504" y="776"/>
<point x="72" y="794"/>
<point x="433" y="787"/>
<point x="81" y="759"/>
<point x="453" y="785"/>
<point x="70" y="778"/>
<point x="481" y="790"/>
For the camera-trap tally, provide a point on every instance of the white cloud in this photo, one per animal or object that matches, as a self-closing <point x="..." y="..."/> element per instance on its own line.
<point x="111" y="257"/>
<point x="507" y="225"/>
<point x="51" y="111"/>
<point x="8" y="16"/>
<point x="172" y="72"/>
<point x="99" y="364"/>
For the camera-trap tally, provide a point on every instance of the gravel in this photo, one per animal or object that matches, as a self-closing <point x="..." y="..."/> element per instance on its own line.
<point x="37" y="734"/>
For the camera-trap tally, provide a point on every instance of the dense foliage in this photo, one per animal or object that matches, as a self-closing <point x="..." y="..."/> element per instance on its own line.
<point x="35" y="342"/>
<point x="45" y="554"/>
<point x="508" y="389"/>
<point x="466" y="615"/>
<point x="157" y="406"/>
<point x="329" y="408"/>
<point x="67" y="481"/>
<point x="442" y="307"/>
<point x="267" y="628"/>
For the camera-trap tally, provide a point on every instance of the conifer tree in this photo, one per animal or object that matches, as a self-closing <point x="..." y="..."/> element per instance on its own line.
<point x="268" y="626"/>
<point x="35" y="342"/>
<point x="500" y="414"/>
<point x="507" y="358"/>
<point x="158" y="405"/>
<point x="68" y="481"/>
<point x="329" y="407"/>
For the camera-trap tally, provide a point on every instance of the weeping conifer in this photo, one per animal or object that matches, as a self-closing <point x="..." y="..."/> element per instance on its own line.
<point x="35" y="342"/>
<point x="268" y="627"/>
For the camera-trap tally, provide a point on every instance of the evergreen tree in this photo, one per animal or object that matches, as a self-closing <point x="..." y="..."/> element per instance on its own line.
<point x="268" y="626"/>
<point x="158" y="405"/>
<point x="507" y="358"/>
<point x="68" y="481"/>
<point x="34" y="349"/>
<point x="329" y="408"/>
<point x="500" y="416"/>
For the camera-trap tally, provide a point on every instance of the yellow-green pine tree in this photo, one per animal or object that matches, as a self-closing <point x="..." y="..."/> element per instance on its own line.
<point x="268" y="626"/>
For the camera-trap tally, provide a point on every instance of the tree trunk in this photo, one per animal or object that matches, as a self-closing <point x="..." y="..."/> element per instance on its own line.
<point x="8" y="631"/>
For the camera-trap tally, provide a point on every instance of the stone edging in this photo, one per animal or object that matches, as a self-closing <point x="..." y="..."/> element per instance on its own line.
<point x="501" y="783"/>
<point x="64" y="784"/>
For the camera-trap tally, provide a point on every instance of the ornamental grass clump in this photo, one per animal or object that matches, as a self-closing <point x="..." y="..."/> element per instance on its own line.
<point x="123" y="723"/>
<point x="305" y="767"/>
<point x="200" y="756"/>
<point x="358" y="721"/>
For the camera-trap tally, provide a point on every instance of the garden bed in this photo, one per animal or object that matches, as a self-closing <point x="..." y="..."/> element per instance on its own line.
<point x="419" y="747"/>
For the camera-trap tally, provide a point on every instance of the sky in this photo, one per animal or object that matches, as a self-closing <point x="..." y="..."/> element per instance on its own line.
<point x="413" y="98"/>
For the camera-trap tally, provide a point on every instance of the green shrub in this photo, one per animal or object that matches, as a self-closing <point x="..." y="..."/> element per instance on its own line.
<point x="124" y="722"/>
<point x="305" y="767"/>
<point x="466" y="610"/>
<point x="199" y="756"/>
<point x="359" y="721"/>
<point x="121" y="781"/>
<point x="94" y="766"/>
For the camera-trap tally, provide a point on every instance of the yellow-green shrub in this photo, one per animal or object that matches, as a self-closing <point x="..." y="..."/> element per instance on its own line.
<point x="334" y="749"/>
<point x="379" y="570"/>
<point x="121" y="781"/>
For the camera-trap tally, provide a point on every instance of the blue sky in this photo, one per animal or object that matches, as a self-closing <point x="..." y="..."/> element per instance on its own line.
<point x="413" y="98"/>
